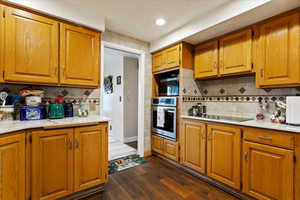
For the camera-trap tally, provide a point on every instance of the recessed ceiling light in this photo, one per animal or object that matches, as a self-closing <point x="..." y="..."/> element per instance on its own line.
<point x="160" y="22"/>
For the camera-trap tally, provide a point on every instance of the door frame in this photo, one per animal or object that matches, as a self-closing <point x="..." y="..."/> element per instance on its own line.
<point x="141" y="86"/>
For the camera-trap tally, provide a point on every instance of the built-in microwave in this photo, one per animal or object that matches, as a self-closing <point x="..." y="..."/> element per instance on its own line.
<point x="168" y="85"/>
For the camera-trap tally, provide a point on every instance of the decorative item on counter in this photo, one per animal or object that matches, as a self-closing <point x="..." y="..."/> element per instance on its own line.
<point x="82" y="111"/>
<point x="3" y="96"/>
<point x="32" y="113"/>
<point x="33" y="100"/>
<point x="31" y="92"/>
<point x="260" y="116"/>
<point x="68" y="108"/>
<point x="279" y="115"/>
<point x="56" y="109"/>
<point x="6" y="112"/>
<point x="263" y="107"/>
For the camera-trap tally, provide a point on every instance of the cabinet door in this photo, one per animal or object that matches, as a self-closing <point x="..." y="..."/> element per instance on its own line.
<point x="157" y="144"/>
<point x="171" y="149"/>
<point x="1" y="45"/>
<point x="12" y="167"/>
<point x="193" y="145"/>
<point x="278" y="52"/>
<point x="31" y="48"/>
<point x="224" y="154"/>
<point x="79" y="56"/>
<point x="52" y="164"/>
<point x="236" y="53"/>
<point x="267" y="172"/>
<point x="91" y="151"/>
<point x="172" y="57"/>
<point x="158" y="61"/>
<point x="206" y="60"/>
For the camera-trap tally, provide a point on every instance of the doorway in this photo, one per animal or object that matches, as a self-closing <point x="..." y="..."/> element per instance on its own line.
<point x="122" y="99"/>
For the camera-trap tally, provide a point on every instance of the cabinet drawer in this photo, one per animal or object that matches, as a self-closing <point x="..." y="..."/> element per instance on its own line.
<point x="270" y="137"/>
<point x="171" y="149"/>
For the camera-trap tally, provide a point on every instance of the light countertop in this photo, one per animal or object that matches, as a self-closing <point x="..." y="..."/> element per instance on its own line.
<point x="11" y="126"/>
<point x="252" y="123"/>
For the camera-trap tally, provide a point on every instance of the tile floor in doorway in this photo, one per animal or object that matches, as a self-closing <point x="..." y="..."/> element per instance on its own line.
<point x="117" y="149"/>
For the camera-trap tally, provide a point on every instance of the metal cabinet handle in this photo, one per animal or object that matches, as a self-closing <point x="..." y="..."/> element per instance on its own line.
<point x="262" y="72"/>
<point x="70" y="144"/>
<point x="246" y="156"/>
<point x="76" y="143"/>
<point x="265" y="138"/>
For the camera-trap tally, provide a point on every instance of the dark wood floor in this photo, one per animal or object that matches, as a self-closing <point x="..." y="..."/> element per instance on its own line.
<point x="158" y="180"/>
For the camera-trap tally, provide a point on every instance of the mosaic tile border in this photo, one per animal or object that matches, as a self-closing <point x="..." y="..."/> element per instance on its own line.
<point x="95" y="101"/>
<point x="234" y="98"/>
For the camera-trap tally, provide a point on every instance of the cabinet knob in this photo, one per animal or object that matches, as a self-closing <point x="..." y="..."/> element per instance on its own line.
<point x="76" y="143"/>
<point x="262" y="72"/>
<point x="246" y="156"/>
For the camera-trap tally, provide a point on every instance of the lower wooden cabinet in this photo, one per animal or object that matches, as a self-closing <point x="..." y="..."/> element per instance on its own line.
<point x="68" y="160"/>
<point x="157" y="144"/>
<point x="268" y="172"/>
<point x="12" y="167"/>
<point x="224" y="154"/>
<point x="90" y="157"/>
<point x="193" y="145"/>
<point x="52" y="164"/>
<point x="165" y="147"/>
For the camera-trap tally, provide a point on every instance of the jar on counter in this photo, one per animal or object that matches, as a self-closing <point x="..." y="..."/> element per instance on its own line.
<point x="7" y="112"/>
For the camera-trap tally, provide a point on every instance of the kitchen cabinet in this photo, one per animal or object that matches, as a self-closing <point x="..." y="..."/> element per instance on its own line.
<point x="236" y="53"/>
<point x="157" y="144"/>
<point x="1" y="44"/>
<point x="91" y="144"/>
<point x="166" y="59"/>
<point x="158" y="61"/>
<point x="165" y="147"/>
<point x="171" y="150"/>
<point x="278" y="52"/>
<point x="267" y="172"/>
<point x="52" y="164"/>
<point x="172" y="57"/>
<point x="31" y="48"/>
<point x="12" y="166"/>
<point x="68" y="160"/>
<point x="206" y="60"/>
<point x="79" y="56"/>
<point x="224" y="154"/>
<point x="193" y="145"/>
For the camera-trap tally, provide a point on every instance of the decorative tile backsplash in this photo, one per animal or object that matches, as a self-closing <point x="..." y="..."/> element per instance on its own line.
<point x="233" y="96"/>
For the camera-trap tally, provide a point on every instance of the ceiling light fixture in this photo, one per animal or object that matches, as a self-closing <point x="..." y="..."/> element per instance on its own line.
<point x="160" y="22"/>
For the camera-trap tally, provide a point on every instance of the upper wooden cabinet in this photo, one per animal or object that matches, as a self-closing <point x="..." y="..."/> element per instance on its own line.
<point x="12" y="167"/>
<point x="52" y="164"/>
<point x="193" y="145"/>
<point x="268" y="172"/>
<point x="90" y="157"/>
<point x="1" y="44"/>
<point x="166" y="59"/>
<point x="31" y="48"/>
<point x="224" y="154"/>
<point x="206" y="60"/>
<point x="79" y="56"/>
<point x="236" y="53"/>
<point x="278" y="52"/>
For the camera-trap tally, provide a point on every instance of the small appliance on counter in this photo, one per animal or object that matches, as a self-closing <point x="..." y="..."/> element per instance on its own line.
<point x="32" y="113"/>
<point x="56" y="110"/>
<point x="293" y="110"/>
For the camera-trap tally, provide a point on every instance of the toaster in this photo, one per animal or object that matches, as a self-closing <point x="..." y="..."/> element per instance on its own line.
<point x="293" y="110"/>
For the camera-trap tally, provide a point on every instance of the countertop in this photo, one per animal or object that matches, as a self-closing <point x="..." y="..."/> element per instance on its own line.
<point x="252" y="123"/>
<point x="11" y="126"/>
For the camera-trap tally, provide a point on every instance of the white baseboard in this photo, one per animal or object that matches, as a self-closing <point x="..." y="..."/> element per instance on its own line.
<point x="130" y="139"/>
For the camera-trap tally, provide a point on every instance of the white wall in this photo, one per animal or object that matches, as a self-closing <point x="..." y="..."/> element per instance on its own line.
<point x="130" y="80"/>
<point x="129" y="42"/>
<point x="112" y="107"/>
